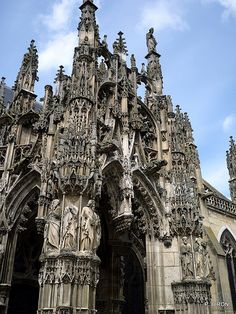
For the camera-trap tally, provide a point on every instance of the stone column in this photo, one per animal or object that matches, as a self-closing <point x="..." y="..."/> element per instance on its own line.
<point x="70" y="266"/>
<point x="68" y="284"/>
<point x="7" y="266"/>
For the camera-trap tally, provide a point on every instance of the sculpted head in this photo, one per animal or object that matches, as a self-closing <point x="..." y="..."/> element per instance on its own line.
<point x="91" y="204"/>
<point x="151" y="30"/>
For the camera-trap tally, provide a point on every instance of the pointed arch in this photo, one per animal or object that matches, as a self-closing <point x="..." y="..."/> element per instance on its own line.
<point x="222" y="230"/>
<point x="21" y="191"/>
<point x="228" y="243"/>
<point x="145" y="186"/>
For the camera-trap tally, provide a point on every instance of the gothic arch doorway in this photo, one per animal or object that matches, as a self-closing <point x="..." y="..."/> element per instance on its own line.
<point x="121" y="287"/>
<point x="229" y="245"/>
<point x="133" y="286"/>
<point x="24" y="292"/>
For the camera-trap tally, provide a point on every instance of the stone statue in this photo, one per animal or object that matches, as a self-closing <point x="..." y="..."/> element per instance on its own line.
<point x="201" y="258"/>
<point x="97" y="233"/>
<point x="186" y="258"/>
<point x="127" y="185"/>
<point x="90" y="228"/>
<point x="151" y="41"/>
<point x="69" y="227"/>
<point x="52" y="227"/>
<point x="198" y="258"/>
<point x="205" y="260"/>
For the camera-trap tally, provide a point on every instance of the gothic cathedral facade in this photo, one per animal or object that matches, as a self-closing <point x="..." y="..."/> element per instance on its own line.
<point x="103" y="208"/>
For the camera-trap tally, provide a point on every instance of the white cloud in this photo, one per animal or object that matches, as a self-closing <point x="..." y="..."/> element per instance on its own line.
<point x="58" y="50"/>
<point x="229" y="7"/>
<point x="60" y="16"/>
<point x="164" y="14"/>
<point x="229" y="123"/>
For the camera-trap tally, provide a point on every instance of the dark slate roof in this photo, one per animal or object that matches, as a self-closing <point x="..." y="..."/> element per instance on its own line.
<point x="8" y="96"/>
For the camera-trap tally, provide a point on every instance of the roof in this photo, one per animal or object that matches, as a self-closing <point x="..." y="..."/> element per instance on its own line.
<point x="8" y="96"/>
<point x="210" y="188"/>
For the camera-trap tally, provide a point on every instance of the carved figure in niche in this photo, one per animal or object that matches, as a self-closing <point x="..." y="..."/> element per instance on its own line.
<point x="186" y="258"/>
<point x="167" y="222"/>
<point x="69" y="227"/>
<point x="52" y="228"/>
<point x="198" y="258"/>
<point x="127" y="185"/>
<point x="90" y="228"/>
<point x="50" y="186"/>
<point x="205" y="260"/>
<point x="13" y="133"/>
<point x="198" y="224"/>
<point x="151" y="41"/>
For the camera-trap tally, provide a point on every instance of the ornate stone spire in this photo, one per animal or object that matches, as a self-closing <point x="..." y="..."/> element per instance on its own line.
<point x="154" y="68"/>
<point x="28" y="72"/>
<point x="120" y="47"/>
<point x="231" y="164"/>
<point x="88" y="28"/>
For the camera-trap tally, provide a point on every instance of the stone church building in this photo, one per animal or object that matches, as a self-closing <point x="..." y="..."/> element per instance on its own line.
<point x="103" y="208"/>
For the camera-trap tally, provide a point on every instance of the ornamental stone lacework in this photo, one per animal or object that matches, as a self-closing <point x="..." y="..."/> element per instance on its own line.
<point x="103" y="208"/>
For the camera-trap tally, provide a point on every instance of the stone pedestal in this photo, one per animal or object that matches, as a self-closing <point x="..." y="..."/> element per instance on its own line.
<point x="68" y="283"/>
<point x="192" y="296"/>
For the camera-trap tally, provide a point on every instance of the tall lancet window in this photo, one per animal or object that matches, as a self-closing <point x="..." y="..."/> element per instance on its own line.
<point x="229" y="245"/>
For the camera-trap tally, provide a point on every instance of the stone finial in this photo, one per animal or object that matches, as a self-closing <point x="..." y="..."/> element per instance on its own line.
<point x="2" y="86"/>
<point x="231" y="157"/>
<point x="120" y="47"/>
<point x="231" y="165"/>
<point x="60" y="74"/>
<point x="133" y="61"/>
<point x="28" y="71"/>
<point x="104" y="41"/>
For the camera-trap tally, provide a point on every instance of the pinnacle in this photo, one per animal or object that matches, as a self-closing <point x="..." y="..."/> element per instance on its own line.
<point x="231" y="141"/>
<point x="178" y="109"/>
<point x="133" y="61"/>
<point x="60" y="73"/>
<point x="32" y="44"/>
<point x="88" y="2"/>
<point x="119" y="45"/>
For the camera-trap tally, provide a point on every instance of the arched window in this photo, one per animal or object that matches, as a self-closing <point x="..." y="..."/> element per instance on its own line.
<point x="229" y="245"/>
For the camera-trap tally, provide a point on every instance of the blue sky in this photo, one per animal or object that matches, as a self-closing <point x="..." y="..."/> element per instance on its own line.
<point x="196" y="38"/>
